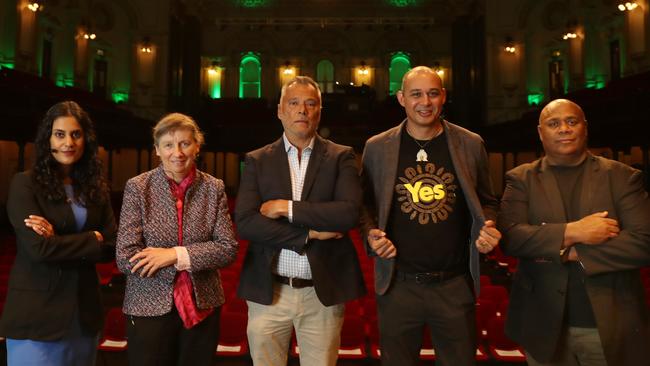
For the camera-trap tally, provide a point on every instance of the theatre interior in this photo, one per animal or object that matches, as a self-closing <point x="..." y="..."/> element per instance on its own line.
<point x="223" y="62"/>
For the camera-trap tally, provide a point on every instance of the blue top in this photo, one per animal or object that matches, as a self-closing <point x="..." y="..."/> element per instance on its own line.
<point x="80" y="212"/>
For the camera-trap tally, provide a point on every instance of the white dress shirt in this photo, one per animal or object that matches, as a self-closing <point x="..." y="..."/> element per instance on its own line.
<point x="290" y="263"/>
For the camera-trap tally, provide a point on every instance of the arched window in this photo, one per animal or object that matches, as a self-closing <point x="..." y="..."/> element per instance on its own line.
<point x="250" y="76"/>
<point x="325" y="76"/>
<point x="400" y="63"/>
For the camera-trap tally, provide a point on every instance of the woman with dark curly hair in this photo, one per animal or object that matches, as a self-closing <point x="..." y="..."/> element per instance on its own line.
<point x="64" y="224"/>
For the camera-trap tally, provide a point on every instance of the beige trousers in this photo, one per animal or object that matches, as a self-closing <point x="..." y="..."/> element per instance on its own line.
<point x="318" y="328"/>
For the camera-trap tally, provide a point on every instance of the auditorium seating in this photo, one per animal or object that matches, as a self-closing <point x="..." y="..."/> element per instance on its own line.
<point x="360" y="335"/>
<point x="27" y="97"/>
<point x="496" y="294"/>
<point x="7" y="255"/>
<point x="485" y="280"/>
<point x="427" y="352"/>
<point x="234" y="313"/>
<point x="353" y="338"/>
<point x="501" y="347"/>
<point x="106" y="272"/>
<point x="485" y="310"/>
<point x="232" y="334"/>
<point x="114" y="333"/>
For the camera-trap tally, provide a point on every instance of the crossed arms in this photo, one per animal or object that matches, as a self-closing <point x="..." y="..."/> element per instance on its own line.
<point x="324" y="216"/>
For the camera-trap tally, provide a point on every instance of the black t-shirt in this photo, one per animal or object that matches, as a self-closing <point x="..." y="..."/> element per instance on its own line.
<point x="429" y="219"/>
<point x="579" y="311"/>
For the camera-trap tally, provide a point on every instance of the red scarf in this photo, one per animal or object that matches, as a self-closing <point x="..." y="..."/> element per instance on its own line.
<point x="183" y="289"/>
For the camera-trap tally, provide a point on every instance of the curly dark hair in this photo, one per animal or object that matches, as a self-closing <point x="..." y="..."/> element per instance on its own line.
<point x="88" y="183"/>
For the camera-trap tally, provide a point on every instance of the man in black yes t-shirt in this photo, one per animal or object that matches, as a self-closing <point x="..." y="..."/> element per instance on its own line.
<point x="429" y="209"/>
<point x="580" y="225"/>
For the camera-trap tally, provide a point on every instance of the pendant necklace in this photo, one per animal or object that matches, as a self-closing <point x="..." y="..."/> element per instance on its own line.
<point x="422" y="155"/>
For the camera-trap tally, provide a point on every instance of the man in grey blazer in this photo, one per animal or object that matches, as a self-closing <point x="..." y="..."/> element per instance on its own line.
<point x="428" y="211"/>
<point x="580" y="226"/>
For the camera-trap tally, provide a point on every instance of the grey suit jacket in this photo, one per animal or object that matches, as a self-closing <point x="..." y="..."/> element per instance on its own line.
<point x="532" y="220"/>
<point x="378" y="174"/>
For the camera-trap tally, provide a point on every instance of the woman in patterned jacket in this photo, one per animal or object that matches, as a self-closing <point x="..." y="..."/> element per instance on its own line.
<point x="175" y="232"/>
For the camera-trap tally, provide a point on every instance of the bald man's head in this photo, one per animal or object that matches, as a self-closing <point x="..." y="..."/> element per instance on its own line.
<point x="561" y="103"/>
<point x="422" y="97"/>
<point x="563" y="131"/>
<point x="424" y="70"/>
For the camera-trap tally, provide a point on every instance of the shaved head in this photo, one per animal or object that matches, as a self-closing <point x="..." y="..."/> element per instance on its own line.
<point x="560" y="103"/>
<point x="422" y="97"/>
<point x="417" y="71"/>
<point x="563" y="131"/>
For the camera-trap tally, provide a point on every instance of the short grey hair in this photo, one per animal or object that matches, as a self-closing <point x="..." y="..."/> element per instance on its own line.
<point x="177" y="121"/>
<point x="302" y="80"/>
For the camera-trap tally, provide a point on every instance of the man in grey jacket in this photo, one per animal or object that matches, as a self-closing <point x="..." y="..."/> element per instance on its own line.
<point x="428" y="210"/>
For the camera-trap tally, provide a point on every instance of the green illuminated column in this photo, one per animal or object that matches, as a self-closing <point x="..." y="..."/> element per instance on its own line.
<point x="325" y="76"/>
<point x="8" y="28"/>
<point x="536" y="69"/>
<point x="596" y="55"/>
<point x="252" y="3"/>
<point x="215" y="76"/>
<point x="63" y="49"/>
<point x="400" y="63"/>
<point x="402" y="3"/>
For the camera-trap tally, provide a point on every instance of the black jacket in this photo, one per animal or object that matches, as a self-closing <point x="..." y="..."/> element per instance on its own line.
<point x="330" y="201"/>
<point x="54" y="278"/>
<point x="532" y="220"/>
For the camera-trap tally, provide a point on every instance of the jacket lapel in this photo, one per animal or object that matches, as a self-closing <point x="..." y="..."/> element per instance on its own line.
<point x="592" y="173"/>
<point x="457" y="154"/>
<point x="315" y="159"/>
<point x="191" y="190"/>
<point x="389" y="161"/>
<point x="552" y="192"/>
<point x="280" y="160"/>
<point x="92" y="216"/>
<point x="70" y="222"/>
<point x="165" y="203"/>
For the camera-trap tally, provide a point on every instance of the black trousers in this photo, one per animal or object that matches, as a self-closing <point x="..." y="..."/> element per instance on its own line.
<point x="447" y="307"/>
<point x="163" y="341"/>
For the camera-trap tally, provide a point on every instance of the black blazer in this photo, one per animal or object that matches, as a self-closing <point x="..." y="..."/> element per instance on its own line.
<point x="52" y="278"/>
<point x="533" y="221"/>
<point x="330" y="201"/>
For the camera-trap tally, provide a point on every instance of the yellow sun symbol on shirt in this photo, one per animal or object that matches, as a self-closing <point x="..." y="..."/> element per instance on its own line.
<point x="426" y="193"/>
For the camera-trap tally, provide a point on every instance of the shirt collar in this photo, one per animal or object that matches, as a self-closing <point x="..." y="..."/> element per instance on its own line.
<point x="288" y="145"/>
<point x="179" y="189"/>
